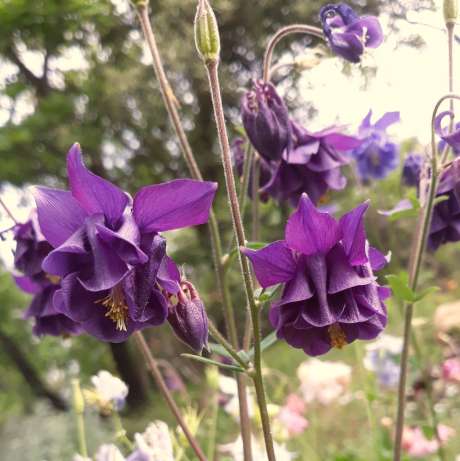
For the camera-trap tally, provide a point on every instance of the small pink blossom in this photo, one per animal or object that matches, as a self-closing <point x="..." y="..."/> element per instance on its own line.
<point x="417" y="445"/>
<point x="451" y="370"/>
<point x="295" y="403"/>
<point x="293" y="422"/>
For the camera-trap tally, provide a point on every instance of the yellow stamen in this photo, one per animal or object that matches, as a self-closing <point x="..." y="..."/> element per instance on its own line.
<point x="117" y="310"/>
<point x="54" y="279"/>
<point x="337" y="336"/>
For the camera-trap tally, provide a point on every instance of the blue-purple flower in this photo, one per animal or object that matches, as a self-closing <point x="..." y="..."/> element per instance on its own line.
<point x="266" y="120"/>
<point x="452" y="139"/>
<point x="445" y="224"/>
<point x="115" y="274"/>
<point x="377" y="156"/>
<point x="31" y="249"/>
<point x="312" y="165"/>
<point x="412" y="170"/>
<point x="347" y="33"/>
<point x="330" y="296"/>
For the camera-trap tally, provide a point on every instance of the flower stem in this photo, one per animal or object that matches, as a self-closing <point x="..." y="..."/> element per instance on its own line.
<point x="7" y="210"/>
<point x="79" y="409"/>
<point x="163" y="388"/>
<point x="279" y="35"/>
<point x="213" y="76"/>
<point x="414" y="272"/>
<point x="170" y="103"/>
<point x="120" y="433"/>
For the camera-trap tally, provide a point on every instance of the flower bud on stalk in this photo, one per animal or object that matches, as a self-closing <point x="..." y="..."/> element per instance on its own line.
<point x="78" y="400"/>
<point x="188" y="318"/>
<point x="450" y="9"/>
<point x="207" y="38"/>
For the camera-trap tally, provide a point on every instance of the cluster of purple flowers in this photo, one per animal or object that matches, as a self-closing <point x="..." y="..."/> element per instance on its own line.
<point x="330" y="296"/>
<point x="100" y="263"/>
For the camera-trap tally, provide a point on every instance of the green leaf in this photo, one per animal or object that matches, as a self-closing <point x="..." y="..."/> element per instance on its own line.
<point x="220" y="350"/>
<point x="428" y="432"/>
<point x="264" y="295"/>
<point x="440" y="199"/>
<point x="268" y="341"/>
<point x="400" y="286"/>
<point x="409" y="213"/>
<point x="198" y="358"/>
<point x="426" y="292"/>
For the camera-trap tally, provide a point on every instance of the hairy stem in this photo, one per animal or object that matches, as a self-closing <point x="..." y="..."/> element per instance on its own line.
<point x="214" y="83"/>
<point x="163" y="388"/>
<point x="414" y="272"/>
<point x="170" y="103"/>
<point x="279" y="35"/>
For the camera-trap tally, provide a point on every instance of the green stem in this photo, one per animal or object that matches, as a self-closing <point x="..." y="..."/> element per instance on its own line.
<point x="163" y="388"/>
<point x="213" y="429"/>
<point x="79" y="409"/>
<point x="414" y="272"/>
<point x="120" y="433"/>
<point x="170" y="103"/>
<point x="214" y="83"/>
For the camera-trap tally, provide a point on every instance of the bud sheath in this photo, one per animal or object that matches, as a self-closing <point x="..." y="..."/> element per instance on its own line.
<point x="207" y="38"/>
<point x="450" y="8"/>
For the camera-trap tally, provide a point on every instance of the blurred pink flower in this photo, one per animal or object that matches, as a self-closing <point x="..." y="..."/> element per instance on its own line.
<point x="295" y="403"/>
<point x="415" y="443"/>
<point x="293" y="422"/>
<point x="451" y="370"/>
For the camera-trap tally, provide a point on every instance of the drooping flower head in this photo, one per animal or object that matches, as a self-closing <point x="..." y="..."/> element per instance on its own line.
<point x="330" y="296"/>
<point x="347" y="33"/>
<point x="312" y="166"/>
<point x="445" y="224"/>
<point x="266" y="120"/>
<point x="412" y="170"/>
<point x="31" y="250"/>
<point x="377" y="156"/>
<point x="108" y="392"/>
<point x="107" y="249"/>
<point x="188" y="317"/>
<point x="451" y="139"/>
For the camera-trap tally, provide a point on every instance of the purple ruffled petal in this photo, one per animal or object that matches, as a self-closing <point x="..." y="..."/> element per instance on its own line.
<point x="354" y="236"/>
<point x="310" y="231"/>
<point x="95" y="194"/>
<point x="173" y="205"/>
<point x="59" y="214"/>
<point x="272" y="264"/>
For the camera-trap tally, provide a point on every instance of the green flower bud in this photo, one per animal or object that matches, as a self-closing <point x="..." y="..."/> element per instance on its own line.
<point x="78" y="400"/>
<point x="207" y="38"/>
<point x="450" y="8"/>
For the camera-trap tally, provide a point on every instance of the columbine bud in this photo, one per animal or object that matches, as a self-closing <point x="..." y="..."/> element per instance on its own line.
<point x="78" y="400"/>
<point x="207" y="38"/>
<point x="266" y="120"/>
<point x="188" y="318"/>
<point x="450" y="8"/>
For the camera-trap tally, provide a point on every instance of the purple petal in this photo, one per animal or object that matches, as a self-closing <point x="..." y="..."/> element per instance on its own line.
<point x="173" y="205"/>
<point x="402" y="205"/>
<point x="386" y="120"/>
<point x="27" y="285"/>
<point x="354" y="235"/>
<point x="342" y="142"/>
<point x="108" y="269"/>
<point x="298" y="288"/>
<point x="366" y="123"/>
<point x="310" y="231"/>
<point x="377" y="259"/>
<point x="59" y="214"/>
<point x="372" y="28"/>
<point x="438" y="122"/>
<point x="272" y="264"/>
<point x="168" y="275"/>
<point x="95" y="194"/>
<point x="125" y="241"/>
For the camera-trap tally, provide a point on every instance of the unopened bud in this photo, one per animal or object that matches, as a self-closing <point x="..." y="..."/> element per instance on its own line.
<point x="78" y="400"/>
<point x="450" y="8"/>
<point x="188" y="318"/>
<point x="207" y="38"/>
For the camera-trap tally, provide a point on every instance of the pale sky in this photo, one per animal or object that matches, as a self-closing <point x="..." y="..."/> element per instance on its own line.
<point x="407" y="79"/>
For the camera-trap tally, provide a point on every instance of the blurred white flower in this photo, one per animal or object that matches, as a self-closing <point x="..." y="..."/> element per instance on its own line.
<point x="109" y="392"/>
<point x="154" y="444"/>
<point x="235" y="450"/>
<point x="229" y="392"/>
<point x="109" y="452"/>
<point x="80" y="458"/>
<point x="323" y="381"/>
<point x="382" y="358"/>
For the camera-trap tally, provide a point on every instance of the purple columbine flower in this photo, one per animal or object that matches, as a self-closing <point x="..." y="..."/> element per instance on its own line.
<point x="445" y="224"/>
<point x="347" y="33"/>
<point x="266" y="120"/>
<point x="31" y="249"/>
<point x="313" y="165"/>
<point x="188" y="318"/>
<point x="330" y="296"/>
<point x="412" y="170"/>
<point x="107" y="250"/>
<point x="451" y="139"/>
<point x="376" y="157"/>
